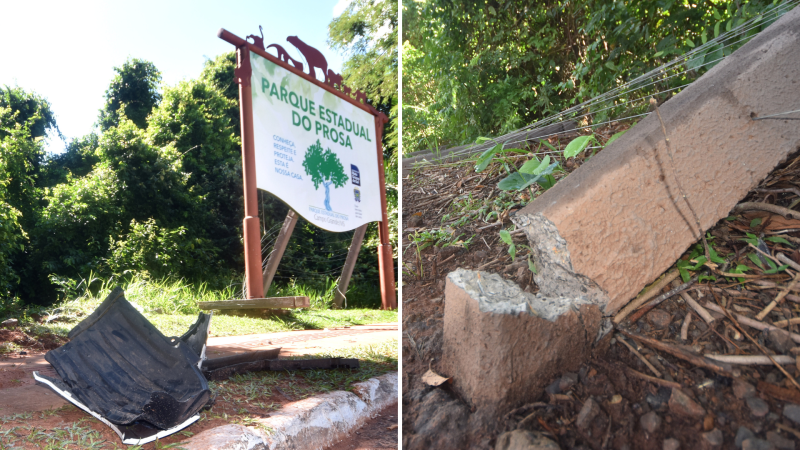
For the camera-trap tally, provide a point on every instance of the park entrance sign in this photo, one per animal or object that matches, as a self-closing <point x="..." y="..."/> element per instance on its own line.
<point x="313" y="149"/>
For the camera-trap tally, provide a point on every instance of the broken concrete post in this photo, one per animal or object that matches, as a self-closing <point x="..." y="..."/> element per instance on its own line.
<point x="619" y="221"/>
<point x="502" y="345"/>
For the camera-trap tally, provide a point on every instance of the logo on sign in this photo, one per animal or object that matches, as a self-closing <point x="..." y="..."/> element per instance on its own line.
<point x="355" y="175"/>
<point x="357" y="194"/>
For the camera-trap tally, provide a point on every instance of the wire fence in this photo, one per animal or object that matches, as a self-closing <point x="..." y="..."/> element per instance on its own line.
<point x="616" y="105"/>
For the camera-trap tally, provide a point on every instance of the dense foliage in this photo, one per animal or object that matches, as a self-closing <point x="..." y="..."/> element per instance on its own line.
<point x="367" y="32"/>
<point x="134" y="90"/>
<point x="158" y="191"/>
<point x="487" y="67"/>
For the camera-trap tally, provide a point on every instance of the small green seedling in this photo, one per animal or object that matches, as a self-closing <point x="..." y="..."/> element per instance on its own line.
<point x="614" y="138"/>
<point x="578" y="145"/>
<point x="512" y="249"/>
<point x="759" y="260"/>
<point x="486" y="157"/>
<point x="697" y="260"/>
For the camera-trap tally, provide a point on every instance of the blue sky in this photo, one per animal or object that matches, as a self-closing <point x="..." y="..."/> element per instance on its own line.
<point x="66" y="51"/>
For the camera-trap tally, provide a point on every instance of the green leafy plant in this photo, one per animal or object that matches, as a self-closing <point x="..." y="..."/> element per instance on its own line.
<point x="533" y="171"/>
<point x="779" y="240"/>
<point x="577" y="145"/>
<point x="697" y="260"/>
<point x="475" y="70"/>
<point x="512" y="248"/>
<point x="485" y="158"/>
<point x="758" y="260"/>
<point x="425" y="239"/>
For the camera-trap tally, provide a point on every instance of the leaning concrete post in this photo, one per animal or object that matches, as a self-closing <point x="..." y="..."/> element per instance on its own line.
<point x="619" y="221"/>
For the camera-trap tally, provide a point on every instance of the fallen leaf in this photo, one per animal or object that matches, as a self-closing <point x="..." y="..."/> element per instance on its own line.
<point x="393" y="427"/>
<point x="432" y="378"/>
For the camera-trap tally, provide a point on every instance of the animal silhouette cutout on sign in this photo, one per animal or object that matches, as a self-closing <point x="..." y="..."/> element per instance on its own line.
<point x="258" y="41"/>
<point x="313" y="57"/>
<point x="283" y="56"/>
<point x="334" y="79"/>
<point x="315" y="60"/>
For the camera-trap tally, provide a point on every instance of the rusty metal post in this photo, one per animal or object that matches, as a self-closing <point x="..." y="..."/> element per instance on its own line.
<point x="385" y="260"/>
<point x="252" y="236"/>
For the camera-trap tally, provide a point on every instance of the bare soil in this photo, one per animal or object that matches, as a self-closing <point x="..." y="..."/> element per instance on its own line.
<point x="379" y="433"/>
<point x="436" y="197"/>
<point x="24" y="346"/>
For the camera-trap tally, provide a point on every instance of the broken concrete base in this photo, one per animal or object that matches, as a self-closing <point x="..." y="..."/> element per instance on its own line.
<point x="620" y="220"/>
<point x="501" y="345"/>
<point x="313" y="423"/>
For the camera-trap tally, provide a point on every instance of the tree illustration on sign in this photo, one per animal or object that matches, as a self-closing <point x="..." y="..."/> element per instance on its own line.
<point x="324" y="168"/>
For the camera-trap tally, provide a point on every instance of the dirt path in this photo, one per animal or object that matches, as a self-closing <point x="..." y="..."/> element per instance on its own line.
<point x="379" y="433"/>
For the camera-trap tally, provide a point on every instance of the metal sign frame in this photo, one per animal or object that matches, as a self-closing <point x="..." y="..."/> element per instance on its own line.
<point x="252" y="235"/>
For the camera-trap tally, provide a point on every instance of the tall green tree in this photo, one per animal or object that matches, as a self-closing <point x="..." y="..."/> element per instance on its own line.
<point x="133" y="92"/>
<point x="196" y="119"/>
<point x="25" y="121"/>
<point x="367" y="34"/>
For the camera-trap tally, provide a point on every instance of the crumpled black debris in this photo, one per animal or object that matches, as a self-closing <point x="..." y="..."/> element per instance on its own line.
<point x="121" y="369"/>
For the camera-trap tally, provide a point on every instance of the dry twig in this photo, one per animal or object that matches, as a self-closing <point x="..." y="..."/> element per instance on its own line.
<point x="693" y="358"/>
<point x="654" y="302"/>
<point x="788" y="428"/>
<point x="749" y="360"/>
<point x="696" y="306"/>
<point x="761" y="326"/>
<point x="788" y="261"/>
<point x="785" y="323"/>
<point x="654" y="380"/>
<point x="760" y="348"/>
<point x="639" y="355"/>
<point x="755" y="206"/>
<point x="685" y="327"/>
<point x="779" y="298"/>
<point x="651" y="292"/>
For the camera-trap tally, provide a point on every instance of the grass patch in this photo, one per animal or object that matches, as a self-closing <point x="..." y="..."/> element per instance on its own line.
<point x="253" y="391"/>
<point x="172" y="307"/>
<point x="222" y="325"/>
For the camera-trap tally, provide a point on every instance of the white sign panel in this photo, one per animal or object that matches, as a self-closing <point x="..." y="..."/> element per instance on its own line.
<point x="314" y="151"/>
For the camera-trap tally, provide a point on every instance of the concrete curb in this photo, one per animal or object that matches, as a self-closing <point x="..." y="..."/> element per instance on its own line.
<point x="313" y="423"/>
